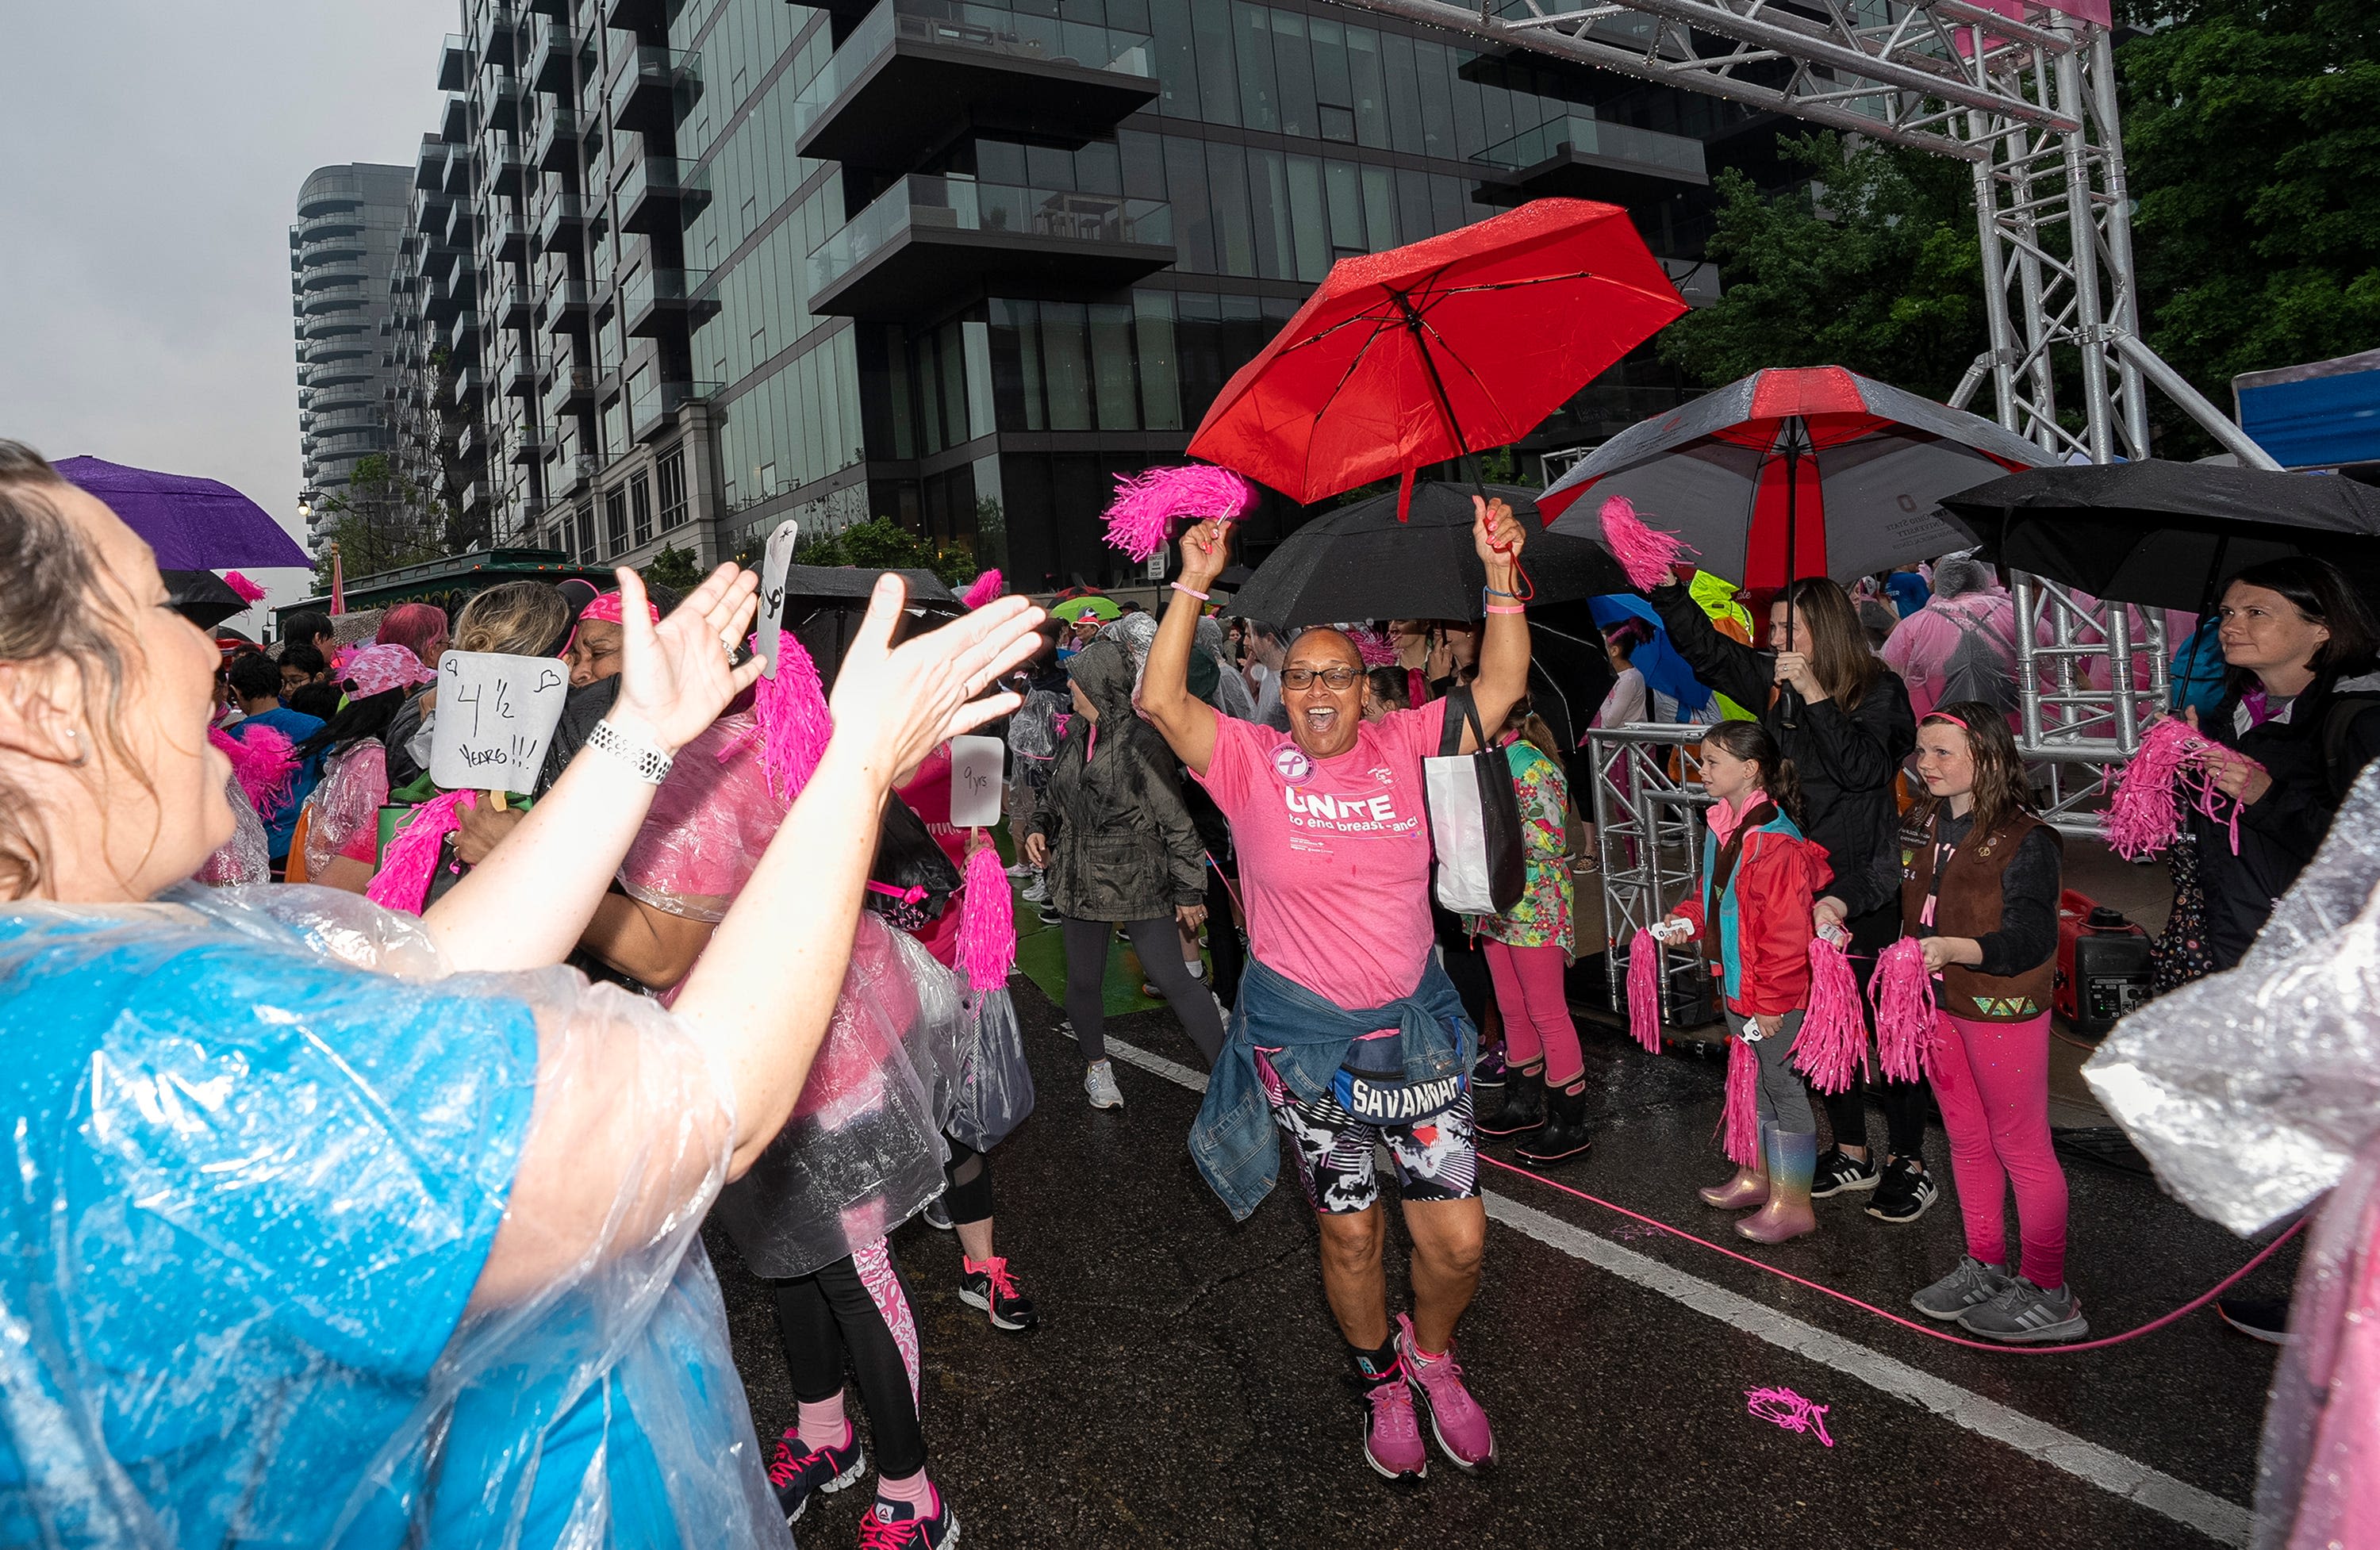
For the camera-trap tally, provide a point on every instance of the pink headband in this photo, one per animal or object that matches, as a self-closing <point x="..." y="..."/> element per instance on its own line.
<point x="1946" y="716"/>
<point x="605" y="610"/>
<point x="375" y="669"/>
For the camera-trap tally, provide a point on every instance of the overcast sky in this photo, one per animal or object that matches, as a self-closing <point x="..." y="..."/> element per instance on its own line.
<point x="153" y="153"/>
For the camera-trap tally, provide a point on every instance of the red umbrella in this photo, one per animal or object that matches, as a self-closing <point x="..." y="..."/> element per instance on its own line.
<point x="1435" y="349"/>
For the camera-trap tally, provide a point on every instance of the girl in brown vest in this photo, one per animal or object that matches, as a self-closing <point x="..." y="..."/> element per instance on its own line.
<point x="1979" y="888"/>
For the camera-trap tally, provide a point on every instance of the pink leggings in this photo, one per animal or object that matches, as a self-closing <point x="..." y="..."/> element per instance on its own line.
<point x="1992" y="1079"/>
<point x="1536" y="1016"/>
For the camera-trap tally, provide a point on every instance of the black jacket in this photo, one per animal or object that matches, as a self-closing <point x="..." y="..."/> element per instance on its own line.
<point x="1848" y="761"/>
<point x="2279" y="834"/>
<point x="1121" y="845"/>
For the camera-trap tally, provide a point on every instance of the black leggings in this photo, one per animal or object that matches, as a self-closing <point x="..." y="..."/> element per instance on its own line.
<point x="1159" y="942"/>
<point x="1903" y="1102"/>
<point x="830" y="1314"/>
<point x="1223" y="936"/>
<point x="968" y="1174"/>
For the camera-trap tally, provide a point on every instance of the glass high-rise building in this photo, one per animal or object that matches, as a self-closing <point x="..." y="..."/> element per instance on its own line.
<point x="700" y="267"/>
<point x="340" y="250"/>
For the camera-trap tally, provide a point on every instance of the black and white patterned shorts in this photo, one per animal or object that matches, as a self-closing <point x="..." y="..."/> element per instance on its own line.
<point x="1436" y="1158"/>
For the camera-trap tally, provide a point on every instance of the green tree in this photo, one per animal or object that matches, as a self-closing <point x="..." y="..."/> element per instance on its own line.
<point x="1872" y="264"/>
<point x="383" y="519"/>
<point x="882" y="544"/>
<point x="2251" y="130"/>
<point x="672" y="567"/>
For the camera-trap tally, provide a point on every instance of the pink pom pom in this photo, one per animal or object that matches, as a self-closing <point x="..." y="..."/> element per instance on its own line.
<point x="1833" y="1041"/>
<point x="986" y="947"/>
<point x="1373" y="647"/>
<point x="263" y="762"/>
<point x="1141" y="517"/>
<point x="1902" y="993"/>
<point x="1645" y="991"/>
<point x="2175" y="765"/>
<point x="986" y="587"/>
<point x="1645" y="554"/>
<point x="248" y="591"/>
<point x="795" y="721"/>
<point x="1739" y="1122"/>
<point x="403" y="882"/>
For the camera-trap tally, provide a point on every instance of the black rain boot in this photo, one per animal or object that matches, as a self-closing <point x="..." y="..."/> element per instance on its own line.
<point x="1524" y="1110"/>
<point x="1564" y="1135"/>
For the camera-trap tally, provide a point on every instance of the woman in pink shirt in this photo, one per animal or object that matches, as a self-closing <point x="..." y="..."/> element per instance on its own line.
<point x="1348" y="1035"/>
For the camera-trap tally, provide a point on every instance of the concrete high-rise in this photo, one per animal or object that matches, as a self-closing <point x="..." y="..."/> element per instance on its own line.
<point x="340" y="248"/>
<point x="679" y="268"/>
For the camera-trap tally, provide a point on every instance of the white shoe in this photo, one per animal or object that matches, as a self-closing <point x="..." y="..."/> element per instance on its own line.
<point x="1099" y="1081"/>
<point x="1020" y="870"/>
<point x="1037" y="890"/>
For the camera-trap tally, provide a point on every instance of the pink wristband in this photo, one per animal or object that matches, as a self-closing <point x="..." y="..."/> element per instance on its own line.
<point x="1506" y="608"/>
<point x="1190" y="591"/>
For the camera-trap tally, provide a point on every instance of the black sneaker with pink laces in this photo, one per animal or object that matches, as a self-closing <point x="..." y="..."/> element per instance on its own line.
<point x="798" y="1473"/>
<point x="899" y="1526"/>
<point x="986" y="1284"/>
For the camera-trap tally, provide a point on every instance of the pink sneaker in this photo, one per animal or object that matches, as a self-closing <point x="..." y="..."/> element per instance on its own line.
<point x="1455" y="1417"/>
<point x="1392" y="1436"/>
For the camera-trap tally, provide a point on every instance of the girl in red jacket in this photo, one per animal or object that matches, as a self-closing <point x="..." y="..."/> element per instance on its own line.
<point x="1759" y="878"/>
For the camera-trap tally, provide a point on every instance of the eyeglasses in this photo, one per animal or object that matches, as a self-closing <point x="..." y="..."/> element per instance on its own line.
<point x="1304" y="677"/>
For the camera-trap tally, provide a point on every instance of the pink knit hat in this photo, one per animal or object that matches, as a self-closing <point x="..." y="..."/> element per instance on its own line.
<point x="374" y="669"/>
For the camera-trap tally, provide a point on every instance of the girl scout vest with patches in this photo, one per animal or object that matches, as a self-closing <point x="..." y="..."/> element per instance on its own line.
<point x="1968" y="905"/>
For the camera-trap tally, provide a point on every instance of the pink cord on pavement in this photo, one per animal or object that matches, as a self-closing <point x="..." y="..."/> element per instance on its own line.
<point x="1789" y="1409"/>
<point x="2217" y="1289"/>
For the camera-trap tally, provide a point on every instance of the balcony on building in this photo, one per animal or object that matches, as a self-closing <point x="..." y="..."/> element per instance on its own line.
<point x="559" y="136"/>
<point x="497" y="94"/>
<point x="453" y="64"/>
<point x="1579" y="156"/>
<point x="463" y="338"/>
<point x="475" y="497"/>
<point x="566" y="304"/>
<point x="559" y="225"/>
<point x="459" y="160"/>
<point x="518" y="377"/>
<point x="456" y="232"/>
<point x="334" y="285"/>
<point x="331" y="324"/>
<point x="514" y="305"/>
<point x="328" y="191"/>
<point x="654" y="406"/>
<point x="331" y="223"/>
<point x="572" y="388"/>
<point x="929" y="242"/>
<point x="915" y="72"/>
<point x="638" y="15"/>
<point x="455" y="119"/>
<point x="662" y="193"/>
<point x="504" y="162"/>
<point x="652" y="296"/>
<point x="549" y="60"/>
<point x="652" y="87"/>
<point x="509" y="236"/>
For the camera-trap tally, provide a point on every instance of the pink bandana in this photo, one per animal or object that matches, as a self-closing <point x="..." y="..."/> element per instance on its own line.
<point x="375" y="669"/>
<point x="606" y="609"/>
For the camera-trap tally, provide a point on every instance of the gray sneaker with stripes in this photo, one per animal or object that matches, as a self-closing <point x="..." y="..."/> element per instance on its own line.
<point x="2024" y="1314"/>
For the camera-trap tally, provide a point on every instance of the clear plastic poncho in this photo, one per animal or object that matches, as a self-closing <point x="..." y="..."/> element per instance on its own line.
<point x="246" y="857"/>
<point x="2254" y="1093"/>
<point x="311" y="1243"/>
<point x="711" y="822"/>
<point x="349" y="796"/>
<point x="863" y="1150"/>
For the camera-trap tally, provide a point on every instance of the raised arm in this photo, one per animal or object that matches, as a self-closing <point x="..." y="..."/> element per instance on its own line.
<point x="1504" y="643"/>
<point x="528" y="903"/>
<point x="1730" y="667"/>
<point x="1186" y="721"/>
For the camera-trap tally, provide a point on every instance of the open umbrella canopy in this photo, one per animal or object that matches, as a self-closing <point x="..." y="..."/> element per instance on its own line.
<point x="1097" y="607"/>
<point x="1438" y="348"/>
<point x="193" y="524"/>
<point x="2168" y="535"/>
<point x="858" y="584"/>
<point x="1791" y="473"/>
<point x="1359" y="561"/>
<point x="203" y="597"/>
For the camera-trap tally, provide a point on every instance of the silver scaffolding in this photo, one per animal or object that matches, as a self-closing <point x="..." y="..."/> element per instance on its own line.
<point x="1647" y="838"/>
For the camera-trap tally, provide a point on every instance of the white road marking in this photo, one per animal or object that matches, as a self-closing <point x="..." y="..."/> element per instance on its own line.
<point x="2219" y="1518"/>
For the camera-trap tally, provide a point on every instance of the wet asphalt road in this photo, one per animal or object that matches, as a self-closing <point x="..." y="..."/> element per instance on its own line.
<point x="1188" y="1387"/>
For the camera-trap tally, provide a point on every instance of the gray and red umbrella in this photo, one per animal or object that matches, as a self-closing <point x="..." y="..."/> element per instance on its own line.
<point x="1795" y="472"/>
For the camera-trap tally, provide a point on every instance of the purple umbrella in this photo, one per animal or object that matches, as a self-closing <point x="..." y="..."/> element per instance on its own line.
<point x="193" y="524"/>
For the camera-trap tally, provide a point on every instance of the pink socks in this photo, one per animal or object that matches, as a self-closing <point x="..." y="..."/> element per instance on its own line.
<point x="915" y="1489"/>
<point x="823" y="1424"/>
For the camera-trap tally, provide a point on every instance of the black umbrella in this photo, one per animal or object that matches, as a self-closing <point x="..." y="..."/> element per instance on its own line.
<point x="2168" y="535"/>
<point x="825" y="603"/>
<point x="202" y="597"/>
<point x="1359" y="561"/>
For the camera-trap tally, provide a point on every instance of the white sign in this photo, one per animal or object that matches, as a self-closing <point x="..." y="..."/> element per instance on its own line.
<point x="974" y="782"/>
<point x="775" y="558"/>
<point x="496" y="713"/>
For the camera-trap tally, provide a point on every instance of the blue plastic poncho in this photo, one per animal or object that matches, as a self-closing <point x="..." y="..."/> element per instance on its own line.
<point x="261" y="1150"/>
